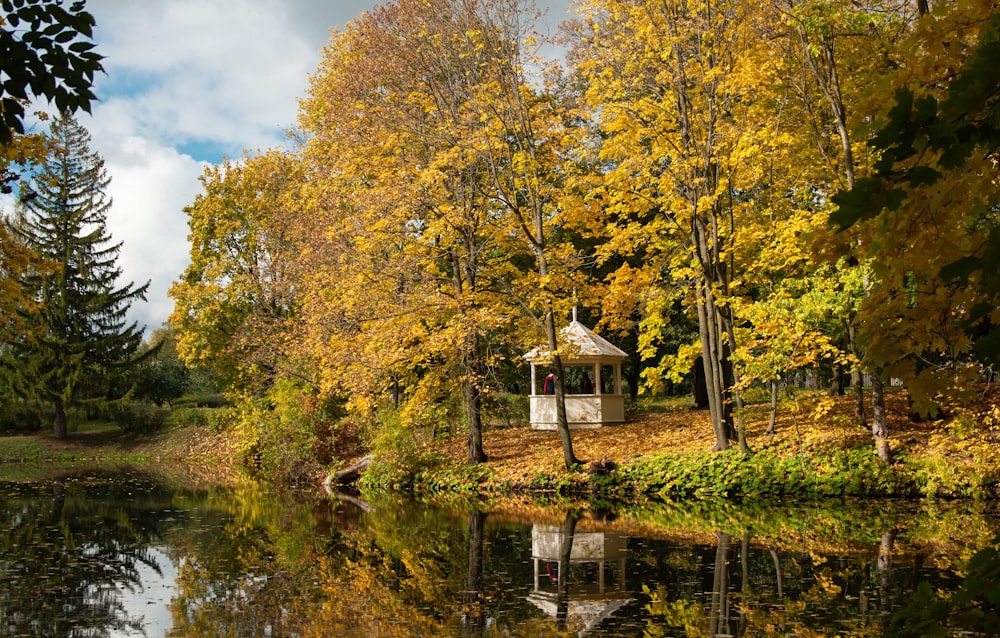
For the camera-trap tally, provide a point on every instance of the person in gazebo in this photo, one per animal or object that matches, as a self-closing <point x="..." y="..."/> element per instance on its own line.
<point x="549" y="386"/>
<point x="586" y="385"/>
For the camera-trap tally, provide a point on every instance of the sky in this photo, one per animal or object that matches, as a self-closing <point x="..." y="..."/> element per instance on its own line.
<point x="187" y="83"/>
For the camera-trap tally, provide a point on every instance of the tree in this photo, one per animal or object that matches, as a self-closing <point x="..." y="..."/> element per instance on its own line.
<point x="78" y="344"/>
<point x="929" y="211"/>
<point x="828" y="37"/>
<point x="235" y="299"/>
<point x="668" y="82"/>
<point x="51" y="58"/>
<point x="162" y="377"/>
<point x="422" y="123"/>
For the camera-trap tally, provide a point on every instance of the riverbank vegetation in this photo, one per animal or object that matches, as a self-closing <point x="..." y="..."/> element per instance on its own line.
<point x="816" y="451"/>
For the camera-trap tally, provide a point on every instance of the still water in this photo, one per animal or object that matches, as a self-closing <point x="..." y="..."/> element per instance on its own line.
<point x="121" y="552"/>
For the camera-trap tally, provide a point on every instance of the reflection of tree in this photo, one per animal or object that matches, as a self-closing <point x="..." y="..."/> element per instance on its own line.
<point x="474" y="598"/>
<point x="565" y="553"/>
<point x="67" y="550"/>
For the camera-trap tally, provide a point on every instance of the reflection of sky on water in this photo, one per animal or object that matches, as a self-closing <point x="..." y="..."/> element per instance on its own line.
<point x="151" y="601"/>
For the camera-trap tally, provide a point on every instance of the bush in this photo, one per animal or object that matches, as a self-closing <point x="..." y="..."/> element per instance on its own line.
<point x="398" y="455"/>
<point x="141" y="417"/>
<point x="508" y="409"/>
<point x="20" y="416"/>
<point x="214" y="400"/>
<point x="196" y="417"/>
<point x="289" y="434"/>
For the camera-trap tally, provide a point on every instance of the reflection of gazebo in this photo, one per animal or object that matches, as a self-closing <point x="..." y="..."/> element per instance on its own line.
<point x="580" y="348"/>
<point x="596" y="574"/>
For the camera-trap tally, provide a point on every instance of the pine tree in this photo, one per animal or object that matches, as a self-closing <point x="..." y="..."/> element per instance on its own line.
<point x="80" y="345"/>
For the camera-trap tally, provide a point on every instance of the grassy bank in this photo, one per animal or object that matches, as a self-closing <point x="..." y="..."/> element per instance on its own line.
<point x="198" y="453"/>
<point x="663" y="452"/>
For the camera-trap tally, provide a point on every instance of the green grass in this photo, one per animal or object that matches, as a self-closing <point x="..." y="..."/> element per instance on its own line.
<point x="96" y="440"/>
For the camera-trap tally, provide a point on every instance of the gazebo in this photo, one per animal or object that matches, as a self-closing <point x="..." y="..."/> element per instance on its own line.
<point x="594" y="396"/>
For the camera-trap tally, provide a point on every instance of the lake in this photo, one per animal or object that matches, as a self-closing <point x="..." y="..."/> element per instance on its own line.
<point x="122" y="551"/>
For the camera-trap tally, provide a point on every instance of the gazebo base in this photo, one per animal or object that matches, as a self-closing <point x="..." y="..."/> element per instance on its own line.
<point x="572" y="426"/>
<point x="583" y="412"/>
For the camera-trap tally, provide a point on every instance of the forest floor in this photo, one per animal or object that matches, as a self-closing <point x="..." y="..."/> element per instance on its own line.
<point x="805" y="423"/>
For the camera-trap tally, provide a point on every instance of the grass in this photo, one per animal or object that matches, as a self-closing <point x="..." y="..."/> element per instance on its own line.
<point x="196" y="451"/>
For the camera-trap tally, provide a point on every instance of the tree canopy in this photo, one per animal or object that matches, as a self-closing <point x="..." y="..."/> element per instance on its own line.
<point x="812" y="184"/>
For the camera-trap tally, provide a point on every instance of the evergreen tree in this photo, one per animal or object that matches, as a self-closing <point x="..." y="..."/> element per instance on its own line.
<point x="80" y="345"/>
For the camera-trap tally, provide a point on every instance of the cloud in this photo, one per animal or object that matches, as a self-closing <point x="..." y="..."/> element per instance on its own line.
<point x="150" y="186"/>
<point x="188" y="82"/>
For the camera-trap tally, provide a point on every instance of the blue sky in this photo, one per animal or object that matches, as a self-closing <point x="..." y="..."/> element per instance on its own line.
<point x="189" y="82"/>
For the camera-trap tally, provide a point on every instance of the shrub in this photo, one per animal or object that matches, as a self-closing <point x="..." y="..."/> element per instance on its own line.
<point x="193" y="417"/>
<point x="141" y="417"/>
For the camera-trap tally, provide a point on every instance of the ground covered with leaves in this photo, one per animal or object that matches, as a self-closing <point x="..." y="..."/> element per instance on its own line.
<point x="955" y="455"/>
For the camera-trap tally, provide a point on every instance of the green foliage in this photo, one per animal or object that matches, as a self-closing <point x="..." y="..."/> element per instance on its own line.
<point x="770" y="472"/>
<point x="508" y="409"/>
<point x="210" y="400"/>
<point x="398" y="456"/>
<point x="19" y="416"/>
<point x="141" y="417"/>
<point x="195" y="417"/>
<point x="162" y="377"/>
<point x="46" y="54"/>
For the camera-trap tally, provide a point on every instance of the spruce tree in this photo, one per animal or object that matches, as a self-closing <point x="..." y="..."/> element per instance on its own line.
<point x="80" y="346"/>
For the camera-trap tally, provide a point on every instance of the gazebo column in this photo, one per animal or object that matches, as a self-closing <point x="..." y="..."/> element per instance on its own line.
<point x="597" y="378"/>
<point x="534" y="387"/>
<point x="618" y="378"/>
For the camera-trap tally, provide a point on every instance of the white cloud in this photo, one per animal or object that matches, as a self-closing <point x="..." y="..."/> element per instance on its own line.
<point x="188" y="78"/>
<point x="150" y="186"/>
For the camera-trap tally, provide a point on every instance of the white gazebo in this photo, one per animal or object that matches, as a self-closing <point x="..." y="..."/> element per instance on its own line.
<point x="601" y="403"/>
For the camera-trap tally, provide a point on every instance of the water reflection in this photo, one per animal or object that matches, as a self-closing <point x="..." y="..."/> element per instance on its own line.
<point x="119" y="553"/>
<point x="579" y="576"/>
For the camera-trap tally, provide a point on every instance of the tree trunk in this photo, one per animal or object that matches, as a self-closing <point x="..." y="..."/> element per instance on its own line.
<point x="474" y="414"/>
<point x="857" y="379"/>
<point x="711" y="360"/>
<point x="719" y="615"/>
<point x="879" y="429"/>
<point x="565" y="553"/>
<point x="777" y="573"/>
<point x="774" y="408"/>
<point x="885" y="574"/>
<point x="741" y="434"/>
<point x="59" y="422"/>
<point x="473" y="400"/>
<point x="562" y="424"/>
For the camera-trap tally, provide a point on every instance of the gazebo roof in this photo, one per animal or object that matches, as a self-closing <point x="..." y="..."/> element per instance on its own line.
<point x="579" y="342"/>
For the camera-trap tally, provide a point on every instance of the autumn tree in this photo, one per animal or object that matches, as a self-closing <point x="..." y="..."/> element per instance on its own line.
<point x="423" y="124"/>
<point x="430" y="232"/>
<point x="830" y="37"/>
<point x="233" y="301"/>
<point x="667" y="82"/>
<point x="79" y="340"/>
<point x="928" y="213"/>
